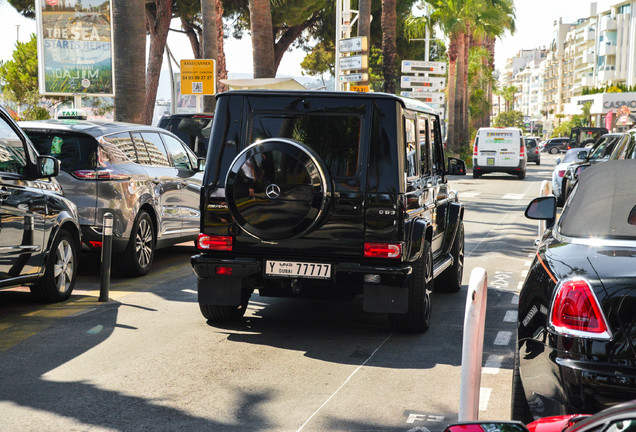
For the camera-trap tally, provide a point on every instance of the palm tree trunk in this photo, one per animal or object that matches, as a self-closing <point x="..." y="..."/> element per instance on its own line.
<point x="129" y="38"/>
<point x="452" y="90"/>
<point x="159" y="24"/>
<point x="364" y="24"/>
<point x="262" y="39"/>
<point x="221" y="65"/>
<point x="209" y="37"/>
<point x="389" y="49"/>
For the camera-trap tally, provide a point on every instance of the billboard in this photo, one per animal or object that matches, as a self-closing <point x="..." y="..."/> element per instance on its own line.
<point x="75" y="50"/>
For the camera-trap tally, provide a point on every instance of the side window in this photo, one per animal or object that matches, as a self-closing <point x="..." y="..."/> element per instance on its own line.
<point x="411" y="148"/>
<point x="13" y="159"/>
<point x="177" y="152"/>
<point x="438" y="150"/>
<point x="140" y="146"/>
<point x="119" y="147"/>
<point x="156" y="150"/>
<point x="425" y="145"/>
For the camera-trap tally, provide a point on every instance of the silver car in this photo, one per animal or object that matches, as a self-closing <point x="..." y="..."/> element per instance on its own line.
<point x="145" y="176"/>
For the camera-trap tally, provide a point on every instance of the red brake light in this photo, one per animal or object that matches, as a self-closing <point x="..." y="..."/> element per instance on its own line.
<point x="217" y="243"/>
<point x="576" y="312"/>
<point x="475" y="149"/>
<point x="522" y="149"/>
<point x="382" y="250"/>
<point x="223" y="271"/>
<point x="561" y="172"/>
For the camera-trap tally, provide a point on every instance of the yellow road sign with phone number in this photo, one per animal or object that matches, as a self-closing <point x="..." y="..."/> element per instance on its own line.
<point x="198" y="76"/>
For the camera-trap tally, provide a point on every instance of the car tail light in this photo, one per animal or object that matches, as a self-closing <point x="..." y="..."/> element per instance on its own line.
<point x="561" y="173"/>
<point x="522" y="149"/>
<point x="382" y="250"/>
<point x="475" y="149"/>
<point x="223" y="271"/>
<point x="576" y="311"/>
<point x="100" y="174"/>
<point x="217" y="243"/>
<point x="95" y="244"/>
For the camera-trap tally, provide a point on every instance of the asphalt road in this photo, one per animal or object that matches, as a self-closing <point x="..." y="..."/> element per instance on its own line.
<point x="148" y="361"/>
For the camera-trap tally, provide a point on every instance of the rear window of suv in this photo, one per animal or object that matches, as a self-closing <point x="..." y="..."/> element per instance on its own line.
<point x="336" y="138"/>
<point x="74" y="151"/>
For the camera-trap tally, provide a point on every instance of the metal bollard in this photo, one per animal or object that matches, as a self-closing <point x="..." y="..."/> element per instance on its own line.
<point x="107" y="246"/>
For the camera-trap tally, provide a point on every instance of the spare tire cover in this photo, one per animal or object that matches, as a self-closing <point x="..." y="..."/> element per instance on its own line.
<point x="277" y="189"/>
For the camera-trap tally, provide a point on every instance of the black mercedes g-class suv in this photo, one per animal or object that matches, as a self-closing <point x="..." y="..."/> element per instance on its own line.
<point x="321" y="194"/>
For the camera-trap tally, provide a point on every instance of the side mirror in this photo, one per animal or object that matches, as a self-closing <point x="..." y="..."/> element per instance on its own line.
<point x="558" y="160"/>
<point x="201" y="164"/>
<point x="542" y="208"/>
<point x="456" y="166"/>
<point x="502" y="426"/>
<point x="582" y="155"/>
<point x="47" y="166"/>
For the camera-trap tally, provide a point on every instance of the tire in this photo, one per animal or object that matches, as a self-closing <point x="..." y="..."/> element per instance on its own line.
<point x="522" y="175"/>
<point x="417" y="317"/>
<point x="564" y="191"/>
<point x="451" y="279"/>
<point x="217" y="313"/>
<point x="519" y="405"/>
<point x="553" y="150"/>
<point x="136" y="259"/>
<point x="560" y="200"/>
<point x="538" y="162"/>
<point x="61" y="269"/>
<point x="476" y="174"/>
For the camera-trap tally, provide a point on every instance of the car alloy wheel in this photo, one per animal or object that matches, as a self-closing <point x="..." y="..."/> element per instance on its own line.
<point x="64" y="265"/>
<point x="144" y="243"/>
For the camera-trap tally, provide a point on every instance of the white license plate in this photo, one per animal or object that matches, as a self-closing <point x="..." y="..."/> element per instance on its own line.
<point x="298" y="269"/>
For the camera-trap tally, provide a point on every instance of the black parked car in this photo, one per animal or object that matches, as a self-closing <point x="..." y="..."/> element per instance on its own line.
<point x="319" y="194"/>
<point x="556" y="145"/>
<point x="39" y="229"/>
<point x="144" y="176"/>
<point x="576" y="323"/>
<point x="193" y="129"/>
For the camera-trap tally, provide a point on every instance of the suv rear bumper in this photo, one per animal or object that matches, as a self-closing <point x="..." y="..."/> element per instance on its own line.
<point x="484" y="169"/>
<point x="386" y="291"/>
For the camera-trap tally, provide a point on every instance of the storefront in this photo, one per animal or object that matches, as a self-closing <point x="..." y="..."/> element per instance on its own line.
<point x="614" y="111"/>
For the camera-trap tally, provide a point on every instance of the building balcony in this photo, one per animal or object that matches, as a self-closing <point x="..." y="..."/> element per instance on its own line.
<point x="589" y="34"/>
<point x="589" y="57"/>
<point x="587" y="80"/>
<point x="607" y="50"/>
<point x="608" y="24"/>
<point x="607" y="74"/>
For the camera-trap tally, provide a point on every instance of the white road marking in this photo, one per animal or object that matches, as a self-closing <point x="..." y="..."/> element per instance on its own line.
<point x="98" y="328"/>
<point x="484" y="398"/>
<point x="513" y="197"/>
<point x="344" y="384"/>
<point x="503" y="338"/>
<point x="493" y="365"/>
<point x="469" y="194"/>
<point x="524" y="274"/>
<point x="511" y="316"/>
<point x="189" y="291"/>
<point x="515" y="298"/>
<point x="527" y="263"/>
<point x="519" y="286"/>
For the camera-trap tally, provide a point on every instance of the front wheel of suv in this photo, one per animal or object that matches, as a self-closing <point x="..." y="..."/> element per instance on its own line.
<point x="451" y="279"/>
<point x="417" y="317"/>
<point x="138" y="255"/>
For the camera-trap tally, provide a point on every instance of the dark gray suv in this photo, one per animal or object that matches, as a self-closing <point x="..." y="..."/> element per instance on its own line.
<point x="145" y="176"/>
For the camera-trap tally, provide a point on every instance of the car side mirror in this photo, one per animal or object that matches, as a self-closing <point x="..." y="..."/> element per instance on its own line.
<point x="200" y="164"/>
<point x="456" y="166"/>
<point x="542" y="208"/>
<point x="485" y="426"/>
<point x="558" y="160"/>
<point x="47" y="166"/>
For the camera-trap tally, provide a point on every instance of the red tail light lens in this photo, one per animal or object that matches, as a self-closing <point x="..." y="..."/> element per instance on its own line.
<point x="561" y="173"/>
<point x="475" y="149"/>
<point x="576" y="312"/>
<point x="223" y="271"/>
<point x="100" y="174"/>
<point x="382" y="250"/>
<point x="522" y="149"/>
<point x="216" y="243"/>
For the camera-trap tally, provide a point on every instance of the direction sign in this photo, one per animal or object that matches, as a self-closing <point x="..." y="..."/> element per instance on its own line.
<point x="354" y="62"/>
<point x="426" y="96"/>
<point x="354" y="77"/>
<point x="415" y="66"/>
<point x="356" y="44"/>
<point x="421" y="82"/>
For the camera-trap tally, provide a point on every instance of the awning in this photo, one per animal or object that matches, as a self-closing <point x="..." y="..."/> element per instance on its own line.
<point x="263" y="83"/>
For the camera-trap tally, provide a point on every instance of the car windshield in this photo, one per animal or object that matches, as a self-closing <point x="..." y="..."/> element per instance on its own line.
<point x="605" y="146"/>
<point x="335" y="138"/>
<point x="572" y="155"/>
<point x="602" y="204"/>
<point x="74" y="151"/>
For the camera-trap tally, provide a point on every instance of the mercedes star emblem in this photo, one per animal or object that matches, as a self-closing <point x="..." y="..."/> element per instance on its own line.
<point x="272" y="191"/>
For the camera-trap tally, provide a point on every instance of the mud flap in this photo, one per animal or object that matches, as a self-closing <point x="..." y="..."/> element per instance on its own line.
<point x="220" y="291"/>
<point x="385" y="299"/>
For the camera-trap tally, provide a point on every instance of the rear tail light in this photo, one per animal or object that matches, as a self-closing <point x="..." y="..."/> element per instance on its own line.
<point x="561" y="173"/>
<point x="522" y="149"/>
<point x="382" y="250"/>
<point x="216" y="243"/>
<point x="475" y="149"/>
<point x="100" y="174"/>
<point x="223" y="271"/>
<point x="576" y="311"/>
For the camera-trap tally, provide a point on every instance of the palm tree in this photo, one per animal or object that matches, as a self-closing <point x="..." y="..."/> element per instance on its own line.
<point x="209" y="39"/>
<point x="262" y="39"/>
<point x="129" y="38"/>
<point x="389" y="48"/>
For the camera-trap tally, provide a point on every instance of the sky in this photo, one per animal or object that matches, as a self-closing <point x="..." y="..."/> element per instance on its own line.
<point x="535" y="19"/>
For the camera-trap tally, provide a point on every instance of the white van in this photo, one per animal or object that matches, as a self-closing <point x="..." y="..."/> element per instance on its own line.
<point x="499" y="150"/>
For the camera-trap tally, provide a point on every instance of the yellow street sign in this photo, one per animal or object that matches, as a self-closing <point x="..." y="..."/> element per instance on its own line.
<point x="198" y="77"/>
<point x="359" y="88"/>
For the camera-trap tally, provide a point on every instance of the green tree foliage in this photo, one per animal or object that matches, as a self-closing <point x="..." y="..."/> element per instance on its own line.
<point x="509" y="119"/>
<point x="19" y="79"/>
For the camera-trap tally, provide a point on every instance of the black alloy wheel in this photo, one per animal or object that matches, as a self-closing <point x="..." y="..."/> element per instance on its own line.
<point x="420" y="285"/>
